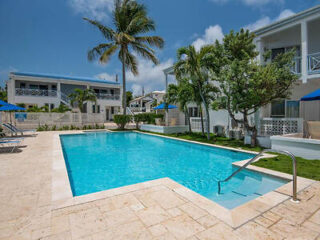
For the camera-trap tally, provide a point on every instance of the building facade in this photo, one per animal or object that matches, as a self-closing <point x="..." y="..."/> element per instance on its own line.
<point x="52" y="90"/>
<point x="146" y="102"/>
<point x="302" y="33"/>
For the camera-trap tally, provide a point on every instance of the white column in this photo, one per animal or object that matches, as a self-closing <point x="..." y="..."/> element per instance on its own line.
<point x="59" y="90"/>
<point x="260" y="49"/>
<point x="166" y="82"/>
<point x="304" y="51"/>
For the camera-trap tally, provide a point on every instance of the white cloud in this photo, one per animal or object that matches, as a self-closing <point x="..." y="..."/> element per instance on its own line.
<point x="97" y="9"/>
<point x="105" y="76"/>
<point x="151" y="76"/>
<point x="250" y="2"/>
<point x="211" y="34"/>
<point x="267" y="20"/>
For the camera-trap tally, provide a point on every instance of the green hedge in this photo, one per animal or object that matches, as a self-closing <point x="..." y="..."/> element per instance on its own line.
<point x="68" y="127"/>
<point x="121" y="120"/>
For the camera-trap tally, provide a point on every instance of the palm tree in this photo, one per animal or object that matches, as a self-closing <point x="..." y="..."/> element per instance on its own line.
<point x="181" y="94"/>
<point x="80" y="97"/>
<point x="131" y="24"/>
<point x="193" y="64"/>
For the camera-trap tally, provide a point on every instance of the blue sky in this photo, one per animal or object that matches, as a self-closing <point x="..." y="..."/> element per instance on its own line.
<point x="49" y="36"/>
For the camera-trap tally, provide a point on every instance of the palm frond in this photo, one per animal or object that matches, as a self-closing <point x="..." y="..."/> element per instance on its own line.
<point x="98" y="51"/>
<point x="146" y="53"/>
<point x="107" y="32"/>
<point x="151" y="40"/>
<point x="108" y="53"/>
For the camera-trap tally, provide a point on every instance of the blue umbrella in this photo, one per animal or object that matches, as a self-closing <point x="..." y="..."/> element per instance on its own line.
<point x="163" y="106"/>
<point x="10" y="107"/>
<point x="312" y="96"/>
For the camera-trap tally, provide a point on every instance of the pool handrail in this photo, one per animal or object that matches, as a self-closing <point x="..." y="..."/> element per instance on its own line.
<point x="294" y="170"/>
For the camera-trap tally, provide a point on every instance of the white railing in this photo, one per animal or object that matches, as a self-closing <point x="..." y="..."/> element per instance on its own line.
<point x="104" y="96"/>
<point x="34" y="120"/>
<point x="296" y="68"/>
<point x="35" y="92"/>
<point x="280" y="126"/>
<point x="65" y="98"/>
<point x="137" y="109"/>
<point x="196" y="124"/>
<point x="314" y="63"/>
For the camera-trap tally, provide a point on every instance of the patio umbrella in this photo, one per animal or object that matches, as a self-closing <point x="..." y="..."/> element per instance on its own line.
<point x="312" y="96"/>
<point x="163" y="106"/>
<point x="10" y="107"/>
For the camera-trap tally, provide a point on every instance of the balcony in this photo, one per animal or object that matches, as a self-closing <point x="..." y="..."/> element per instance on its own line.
<point x="35" y="92"/>
<point x="104" y="96"/>
<point x="296" y="68"/>
<point x="314" y="63"/>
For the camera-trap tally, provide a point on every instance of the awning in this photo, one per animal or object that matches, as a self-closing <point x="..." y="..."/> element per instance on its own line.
<point x="312" y="96"/>
<point x="163" y="106"/>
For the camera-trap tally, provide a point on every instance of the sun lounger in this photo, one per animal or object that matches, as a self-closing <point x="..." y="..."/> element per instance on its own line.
<point x="20" y="130"/>
<point x="10" y="129"/>
<point x="14" y="143"/>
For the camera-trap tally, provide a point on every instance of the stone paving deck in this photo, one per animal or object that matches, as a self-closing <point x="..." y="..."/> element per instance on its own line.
<point x="160" y="209"/>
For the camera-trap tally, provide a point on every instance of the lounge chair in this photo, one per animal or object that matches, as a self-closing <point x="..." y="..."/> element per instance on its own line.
<point x="14" y="143"/>
<point x="21" y="130"/>
<point x="314" y="129"/>
<point x="10" y="129"/>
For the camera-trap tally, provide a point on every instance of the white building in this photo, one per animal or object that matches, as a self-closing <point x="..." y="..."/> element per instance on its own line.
<point x="302" y="32"/>
<point x="145" y="103"/>
<point x="52" y="90"/>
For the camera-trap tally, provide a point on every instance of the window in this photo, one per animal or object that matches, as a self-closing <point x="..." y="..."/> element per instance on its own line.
<point x="95" y="108"/>
<point x="112" y="110"/>
<point x="278" y="109"/>
<point x="112" y="91"/>
<point x="54" y="87"/>
<point x="33" y="86"/>
<point x="293" y="108"/>
<point x="22" y="85"/>
<point x="193" y="112"/>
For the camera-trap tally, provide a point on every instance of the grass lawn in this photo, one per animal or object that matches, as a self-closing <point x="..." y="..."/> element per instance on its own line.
<point x="282" y="163"/>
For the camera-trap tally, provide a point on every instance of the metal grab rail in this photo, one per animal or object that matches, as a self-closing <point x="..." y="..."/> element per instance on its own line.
<point x="294" y="171"/>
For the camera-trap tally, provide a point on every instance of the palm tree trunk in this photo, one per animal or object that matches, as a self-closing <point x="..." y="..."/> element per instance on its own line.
<point x="124" y="93"/>
<point x="188" y="118"/>
<point x="208" y="121"/>
<point x="201" y="117"/>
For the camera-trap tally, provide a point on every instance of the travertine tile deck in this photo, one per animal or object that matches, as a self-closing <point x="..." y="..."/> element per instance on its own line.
<point x="31" y="208"/>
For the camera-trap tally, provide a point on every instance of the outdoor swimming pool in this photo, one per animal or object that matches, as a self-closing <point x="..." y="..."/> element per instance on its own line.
<point x="101" y="161"/>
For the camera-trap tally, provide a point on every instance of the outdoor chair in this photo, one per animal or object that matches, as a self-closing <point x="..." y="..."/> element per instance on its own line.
<point x="314" y="129"/>
<point x="14" y="143"/>
<point x="20" y="130"/>
<point x="10" y="129"/>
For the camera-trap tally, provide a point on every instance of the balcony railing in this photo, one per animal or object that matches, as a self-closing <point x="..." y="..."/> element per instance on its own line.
<point x="35" y="92"/>
<point x="296" y="68"/>
<point x="104" y="96"/>
<point x="314" y="63"/>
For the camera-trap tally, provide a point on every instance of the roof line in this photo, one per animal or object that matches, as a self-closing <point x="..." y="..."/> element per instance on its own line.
<point x="62" y="77"/>
<point x="288" y="20"/>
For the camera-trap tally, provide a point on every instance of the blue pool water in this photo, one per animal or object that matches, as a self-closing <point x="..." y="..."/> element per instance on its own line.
<point x="101" y="161"/>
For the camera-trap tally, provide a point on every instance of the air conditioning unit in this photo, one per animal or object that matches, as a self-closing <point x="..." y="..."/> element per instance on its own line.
<point x="219" y="130"/>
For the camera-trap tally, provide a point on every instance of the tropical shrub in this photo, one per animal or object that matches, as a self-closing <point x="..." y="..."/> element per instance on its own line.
<point x="121" y="120"/>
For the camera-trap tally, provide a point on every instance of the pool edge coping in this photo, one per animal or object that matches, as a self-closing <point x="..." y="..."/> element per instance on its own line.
<point x="62" y="194"/>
